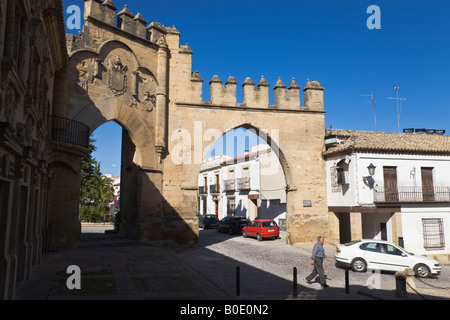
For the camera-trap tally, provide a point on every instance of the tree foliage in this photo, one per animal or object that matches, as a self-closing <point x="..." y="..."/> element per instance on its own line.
<point x="96" y="190"/>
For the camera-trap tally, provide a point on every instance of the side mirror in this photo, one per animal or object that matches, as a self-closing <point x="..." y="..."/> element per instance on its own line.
<point x="404" y="254"/>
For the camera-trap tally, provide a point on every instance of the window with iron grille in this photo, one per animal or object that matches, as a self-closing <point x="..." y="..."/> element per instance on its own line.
<point x="433" y="234"/>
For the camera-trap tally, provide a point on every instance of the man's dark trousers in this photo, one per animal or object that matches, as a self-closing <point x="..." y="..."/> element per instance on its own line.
<point x="318" y="270"/>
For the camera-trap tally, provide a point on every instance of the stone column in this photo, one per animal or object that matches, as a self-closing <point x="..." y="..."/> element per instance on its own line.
<point x="334" y="228"/>
<point x="64" y="226"/>
<point x="5" y="215"/>
<point x="397" y="231"/>
<point x="161" y="97"/>
<point x="356" y="225"/>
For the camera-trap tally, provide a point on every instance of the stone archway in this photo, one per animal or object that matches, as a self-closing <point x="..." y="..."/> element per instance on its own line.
<point x="141" y="77"/>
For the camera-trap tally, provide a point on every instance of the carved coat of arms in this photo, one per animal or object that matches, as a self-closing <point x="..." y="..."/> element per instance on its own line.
<point x="85" y="77"/>
<point x="117" y="78"/>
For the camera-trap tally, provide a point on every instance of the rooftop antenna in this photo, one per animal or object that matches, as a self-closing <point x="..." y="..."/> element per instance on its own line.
<point x="397" y="89"/>
<point x="372" y="100"/>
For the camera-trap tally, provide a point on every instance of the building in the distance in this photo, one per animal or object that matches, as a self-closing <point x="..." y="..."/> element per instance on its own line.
<point x="390" y="186"/>
<point x="115" y="182"/>
<point x="252" y="185"/>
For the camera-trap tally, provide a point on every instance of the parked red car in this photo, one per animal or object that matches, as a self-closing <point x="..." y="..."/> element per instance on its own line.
<point x="261" y="229"/>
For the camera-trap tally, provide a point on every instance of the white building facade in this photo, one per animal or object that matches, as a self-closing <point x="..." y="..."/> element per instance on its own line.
<point x="389" y="186"/>
<point x="252" y="186"/>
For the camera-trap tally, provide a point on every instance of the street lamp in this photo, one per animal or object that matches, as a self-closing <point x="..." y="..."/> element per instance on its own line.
<point x="371" y="169"/>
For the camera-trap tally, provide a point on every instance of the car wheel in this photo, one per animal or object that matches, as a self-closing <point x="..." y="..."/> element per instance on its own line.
<point x="258" y="236"/>
<point x="359" y="265"/>
<point x="230" y="231"/>
<point x="422" y="271"/>
<point x="217" y="229"/>
<point x="244" y="234"/>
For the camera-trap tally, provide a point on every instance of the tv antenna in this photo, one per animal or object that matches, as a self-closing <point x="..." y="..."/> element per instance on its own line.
<point x="372" y="97"/>
<point x="397" y="89"/>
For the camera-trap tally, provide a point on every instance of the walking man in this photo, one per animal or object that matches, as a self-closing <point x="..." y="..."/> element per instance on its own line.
<point x="317" y="257"/>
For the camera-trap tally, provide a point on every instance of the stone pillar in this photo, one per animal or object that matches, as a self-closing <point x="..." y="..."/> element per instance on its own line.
<point x="397" y="231"/>
<point x="5" y="259"/>
<point x="161" y="96"/>
<point x="128" y="189"/>
<point x="356" y="225"/>
<point x="14" y="230"/>
<point x="334" y="237"/>
<point x="64" y="226"/>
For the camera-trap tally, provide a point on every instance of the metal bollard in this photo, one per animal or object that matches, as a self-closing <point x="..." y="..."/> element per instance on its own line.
<point x="238" y="281"/>
<point x="400" y="284"/>
<point x="294" y="283"/>
<point x="347" y="281"/>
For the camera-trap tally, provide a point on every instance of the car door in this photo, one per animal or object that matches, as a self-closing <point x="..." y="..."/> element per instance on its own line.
<point x="396" y="259"/>
<point x="372" y="254"/>
<point x="223" y="224"/>
<point x="249" y="229"/>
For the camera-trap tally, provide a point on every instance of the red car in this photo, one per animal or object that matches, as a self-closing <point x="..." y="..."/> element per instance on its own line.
<point x="261" y="229"/>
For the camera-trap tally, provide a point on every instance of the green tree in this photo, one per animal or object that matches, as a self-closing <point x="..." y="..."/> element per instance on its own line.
<point x="96" y="190"/>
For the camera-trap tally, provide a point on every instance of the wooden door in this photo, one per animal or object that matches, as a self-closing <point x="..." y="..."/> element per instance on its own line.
<point x="427" y="184"/>
<point x="390" y="184"/>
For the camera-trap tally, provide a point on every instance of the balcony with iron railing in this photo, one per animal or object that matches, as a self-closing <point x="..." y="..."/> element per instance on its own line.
<point x="68" y="131"/>
<point x="230" y="185"/>
<point x="214" y="189"/>
<point x="411" y="194"/>
<point x="202" y="191"/>
<point x="243" y="184"/>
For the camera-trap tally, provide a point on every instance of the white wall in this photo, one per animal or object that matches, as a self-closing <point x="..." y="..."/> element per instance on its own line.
<point x="360" y="193"/>
<point x="413" y="229"/>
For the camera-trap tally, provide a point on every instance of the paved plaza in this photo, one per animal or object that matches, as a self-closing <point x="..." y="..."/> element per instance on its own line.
<point x="113" y="268"/>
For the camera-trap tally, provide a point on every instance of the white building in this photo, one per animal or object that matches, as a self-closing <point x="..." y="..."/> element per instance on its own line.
<point x="390" y="186"/>
<point x="115" y="182"/>
<point x="252" y="186"/>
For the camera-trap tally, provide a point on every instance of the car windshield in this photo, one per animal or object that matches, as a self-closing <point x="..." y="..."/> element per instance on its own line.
<point x="269" y="224"/>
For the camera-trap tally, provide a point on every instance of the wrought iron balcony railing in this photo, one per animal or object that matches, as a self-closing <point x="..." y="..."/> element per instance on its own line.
<point x="68" y="131"/>
<point x="214" y="189"/>
<point x="243" y="183"/>
<point x="202" y="191"/>
<point x="411" y="194"/>
<point x="230" y="185"/>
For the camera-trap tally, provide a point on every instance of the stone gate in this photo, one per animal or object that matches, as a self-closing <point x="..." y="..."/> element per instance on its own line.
<point x="122" y="69"/>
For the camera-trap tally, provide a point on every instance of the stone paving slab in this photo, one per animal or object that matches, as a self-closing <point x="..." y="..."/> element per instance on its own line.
<point x="118" y="272"/>
<point x="121" y="269"/>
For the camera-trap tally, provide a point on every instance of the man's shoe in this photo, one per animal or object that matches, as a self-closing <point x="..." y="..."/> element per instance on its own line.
<point x="325" y="286"/>
<point x="308" y="281"/>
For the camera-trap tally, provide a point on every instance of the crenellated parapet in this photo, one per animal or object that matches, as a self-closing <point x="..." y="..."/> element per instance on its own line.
<point x="185" y="85"/>
<point x="287" y="99"/>
<point x="258" y="96"/>
<point x="222" y="94"/>
<point x="136" y="25"/>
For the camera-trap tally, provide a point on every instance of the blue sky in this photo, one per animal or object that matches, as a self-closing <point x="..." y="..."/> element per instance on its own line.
<point x="326" y="40"/>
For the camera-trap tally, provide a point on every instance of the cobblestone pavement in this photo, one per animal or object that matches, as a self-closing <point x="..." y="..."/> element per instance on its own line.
<point x="267" y="268"/>
<point x="116" y="268"/>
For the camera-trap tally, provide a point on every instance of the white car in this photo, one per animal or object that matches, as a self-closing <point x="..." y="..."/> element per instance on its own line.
<point x="382" y="255"/>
